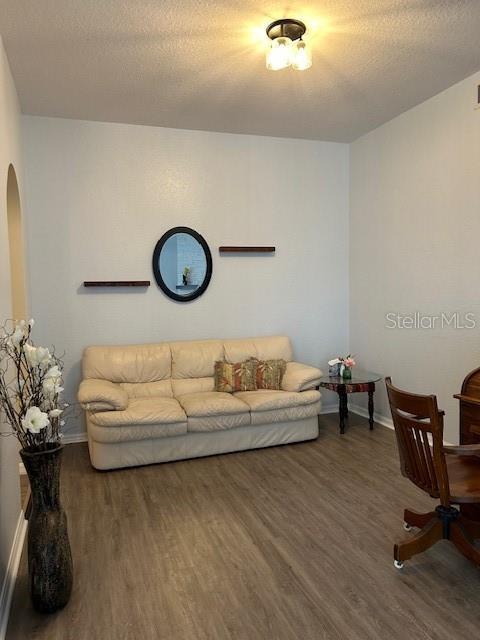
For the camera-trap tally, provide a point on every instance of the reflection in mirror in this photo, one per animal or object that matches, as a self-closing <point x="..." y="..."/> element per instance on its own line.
<point x="182" y="264"/>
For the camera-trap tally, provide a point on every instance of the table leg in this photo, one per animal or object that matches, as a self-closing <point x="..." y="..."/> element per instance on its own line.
<point x="342" y="408"/>
<point x="370" y="404"/>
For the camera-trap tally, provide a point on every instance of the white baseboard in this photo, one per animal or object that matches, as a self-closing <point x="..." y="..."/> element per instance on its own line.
<point x="11" y="574"/>
<point x="329" y="408"/>
<point x="385" y="422"/>
<point x="74" y="438"/>
<point x="361" y="411"/>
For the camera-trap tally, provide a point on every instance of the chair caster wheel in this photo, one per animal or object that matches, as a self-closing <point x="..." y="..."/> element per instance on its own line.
<point x="407" y="527"/>
<point x="397" y="564"/>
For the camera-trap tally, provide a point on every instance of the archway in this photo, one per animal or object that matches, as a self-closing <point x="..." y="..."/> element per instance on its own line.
<point x="16" y="246"/>
<point x="17" y="276"/>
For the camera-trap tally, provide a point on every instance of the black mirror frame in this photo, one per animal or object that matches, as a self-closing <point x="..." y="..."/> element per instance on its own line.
<point x="156" y="264"/>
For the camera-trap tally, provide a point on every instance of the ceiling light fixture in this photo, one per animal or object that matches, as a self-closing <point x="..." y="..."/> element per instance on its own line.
<point x="287" y="48"/>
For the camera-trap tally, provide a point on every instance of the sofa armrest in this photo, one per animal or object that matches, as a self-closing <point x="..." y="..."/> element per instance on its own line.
<point x="102" y="395"/>
<point x="300" y="377"/>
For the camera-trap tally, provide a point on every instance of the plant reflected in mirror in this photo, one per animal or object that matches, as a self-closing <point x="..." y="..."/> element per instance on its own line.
<point x="182" y="264"/>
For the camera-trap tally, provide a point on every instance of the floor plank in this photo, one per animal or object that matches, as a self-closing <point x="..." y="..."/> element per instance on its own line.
<point x="282" y="543"/>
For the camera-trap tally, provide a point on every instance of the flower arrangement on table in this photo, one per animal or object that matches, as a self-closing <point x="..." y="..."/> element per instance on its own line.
<point x="30" y="389"/>
<point x="342" y="366"/>
<point x="186" y="275"/>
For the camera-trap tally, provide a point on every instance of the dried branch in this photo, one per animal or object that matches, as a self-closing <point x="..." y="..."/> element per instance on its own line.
<point x="30" y="385"/>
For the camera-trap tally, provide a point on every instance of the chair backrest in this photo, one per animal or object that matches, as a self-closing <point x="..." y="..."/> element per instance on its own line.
<point x="419" y="430"/>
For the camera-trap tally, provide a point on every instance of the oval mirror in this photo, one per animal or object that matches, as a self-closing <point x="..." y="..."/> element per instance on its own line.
<point x="182" y="264"/>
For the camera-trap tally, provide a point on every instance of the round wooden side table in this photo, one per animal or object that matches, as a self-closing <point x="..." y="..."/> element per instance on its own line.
<point x="360" y="382"/>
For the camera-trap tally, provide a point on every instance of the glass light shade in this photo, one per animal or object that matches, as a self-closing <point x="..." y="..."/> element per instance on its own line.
<point x="301" y="56"/>
<point x="279" y="54"/>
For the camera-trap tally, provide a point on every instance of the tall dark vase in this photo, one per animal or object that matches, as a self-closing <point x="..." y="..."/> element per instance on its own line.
<point x="49" y="557"/>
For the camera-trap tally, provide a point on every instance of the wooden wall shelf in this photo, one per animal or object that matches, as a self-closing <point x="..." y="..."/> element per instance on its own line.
<point x="247" y="249"/>
<point x="116" y="283"/>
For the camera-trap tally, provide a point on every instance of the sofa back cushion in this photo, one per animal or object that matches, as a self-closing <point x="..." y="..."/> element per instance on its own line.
<point x="195" y="359"/>
<point x="131" y="363"/>
<point x="266" y="348"/>
<point x="177" y="368"/>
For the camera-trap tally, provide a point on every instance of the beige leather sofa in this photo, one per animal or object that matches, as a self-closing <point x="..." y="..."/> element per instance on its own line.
<point x="156" y="402"/>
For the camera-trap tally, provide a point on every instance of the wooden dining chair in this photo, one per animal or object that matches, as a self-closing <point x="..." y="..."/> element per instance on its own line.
<point x="450" y="474"/>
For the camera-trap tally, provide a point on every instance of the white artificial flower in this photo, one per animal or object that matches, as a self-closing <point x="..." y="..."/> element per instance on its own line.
<point x="18" y="335"/>
<point x="51" y="387"/>
<point x="51" y="382"/>
<point x="37" y="356"/>
<point x="54" y="413"/>
<point x="44" y="356"/>
<point x="30" y="354"/>
<point x="31" y="322"/>
<point x="53" y="373"/>
<point x="48" y="387"/>
<point x="35" y="420"/>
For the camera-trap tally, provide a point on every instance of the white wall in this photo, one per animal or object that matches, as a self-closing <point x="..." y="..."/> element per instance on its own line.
<point x="99" y="196"/>
<point x="9" y="153"/>
<point x="414" y="238"/>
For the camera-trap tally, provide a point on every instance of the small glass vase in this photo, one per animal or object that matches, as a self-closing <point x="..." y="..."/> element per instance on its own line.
<point x="347" y="373"/>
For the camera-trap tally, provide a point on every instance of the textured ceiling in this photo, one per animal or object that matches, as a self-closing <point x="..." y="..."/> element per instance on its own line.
<point x="201" y="65"/>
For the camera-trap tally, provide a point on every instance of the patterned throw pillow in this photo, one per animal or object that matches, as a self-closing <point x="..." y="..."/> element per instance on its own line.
<point x="239" y="376"/>
<point x="270" y="373"/>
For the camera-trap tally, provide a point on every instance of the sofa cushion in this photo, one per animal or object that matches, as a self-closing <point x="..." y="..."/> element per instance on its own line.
<point x="287" y="414"/>
<point x="267" y="399"/>
<point x="159" y="389"/>
<point x="265" y="348"/>
<point x="192" y="385"/>
<point x="129" y="363"/>
<point x="141" y="411"/>
<point x="211" y="403"/>
<point x="239" y="350"/>
<point x="274" y="348"/>
<point x="214" y="410"/>
<point x="132" y="433"/>
<point x="195" y="359"/>
<point x="218" y="422"/>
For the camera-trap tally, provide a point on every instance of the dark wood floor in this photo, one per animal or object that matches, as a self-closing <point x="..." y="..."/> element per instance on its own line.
<point x="286" y="543"/>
